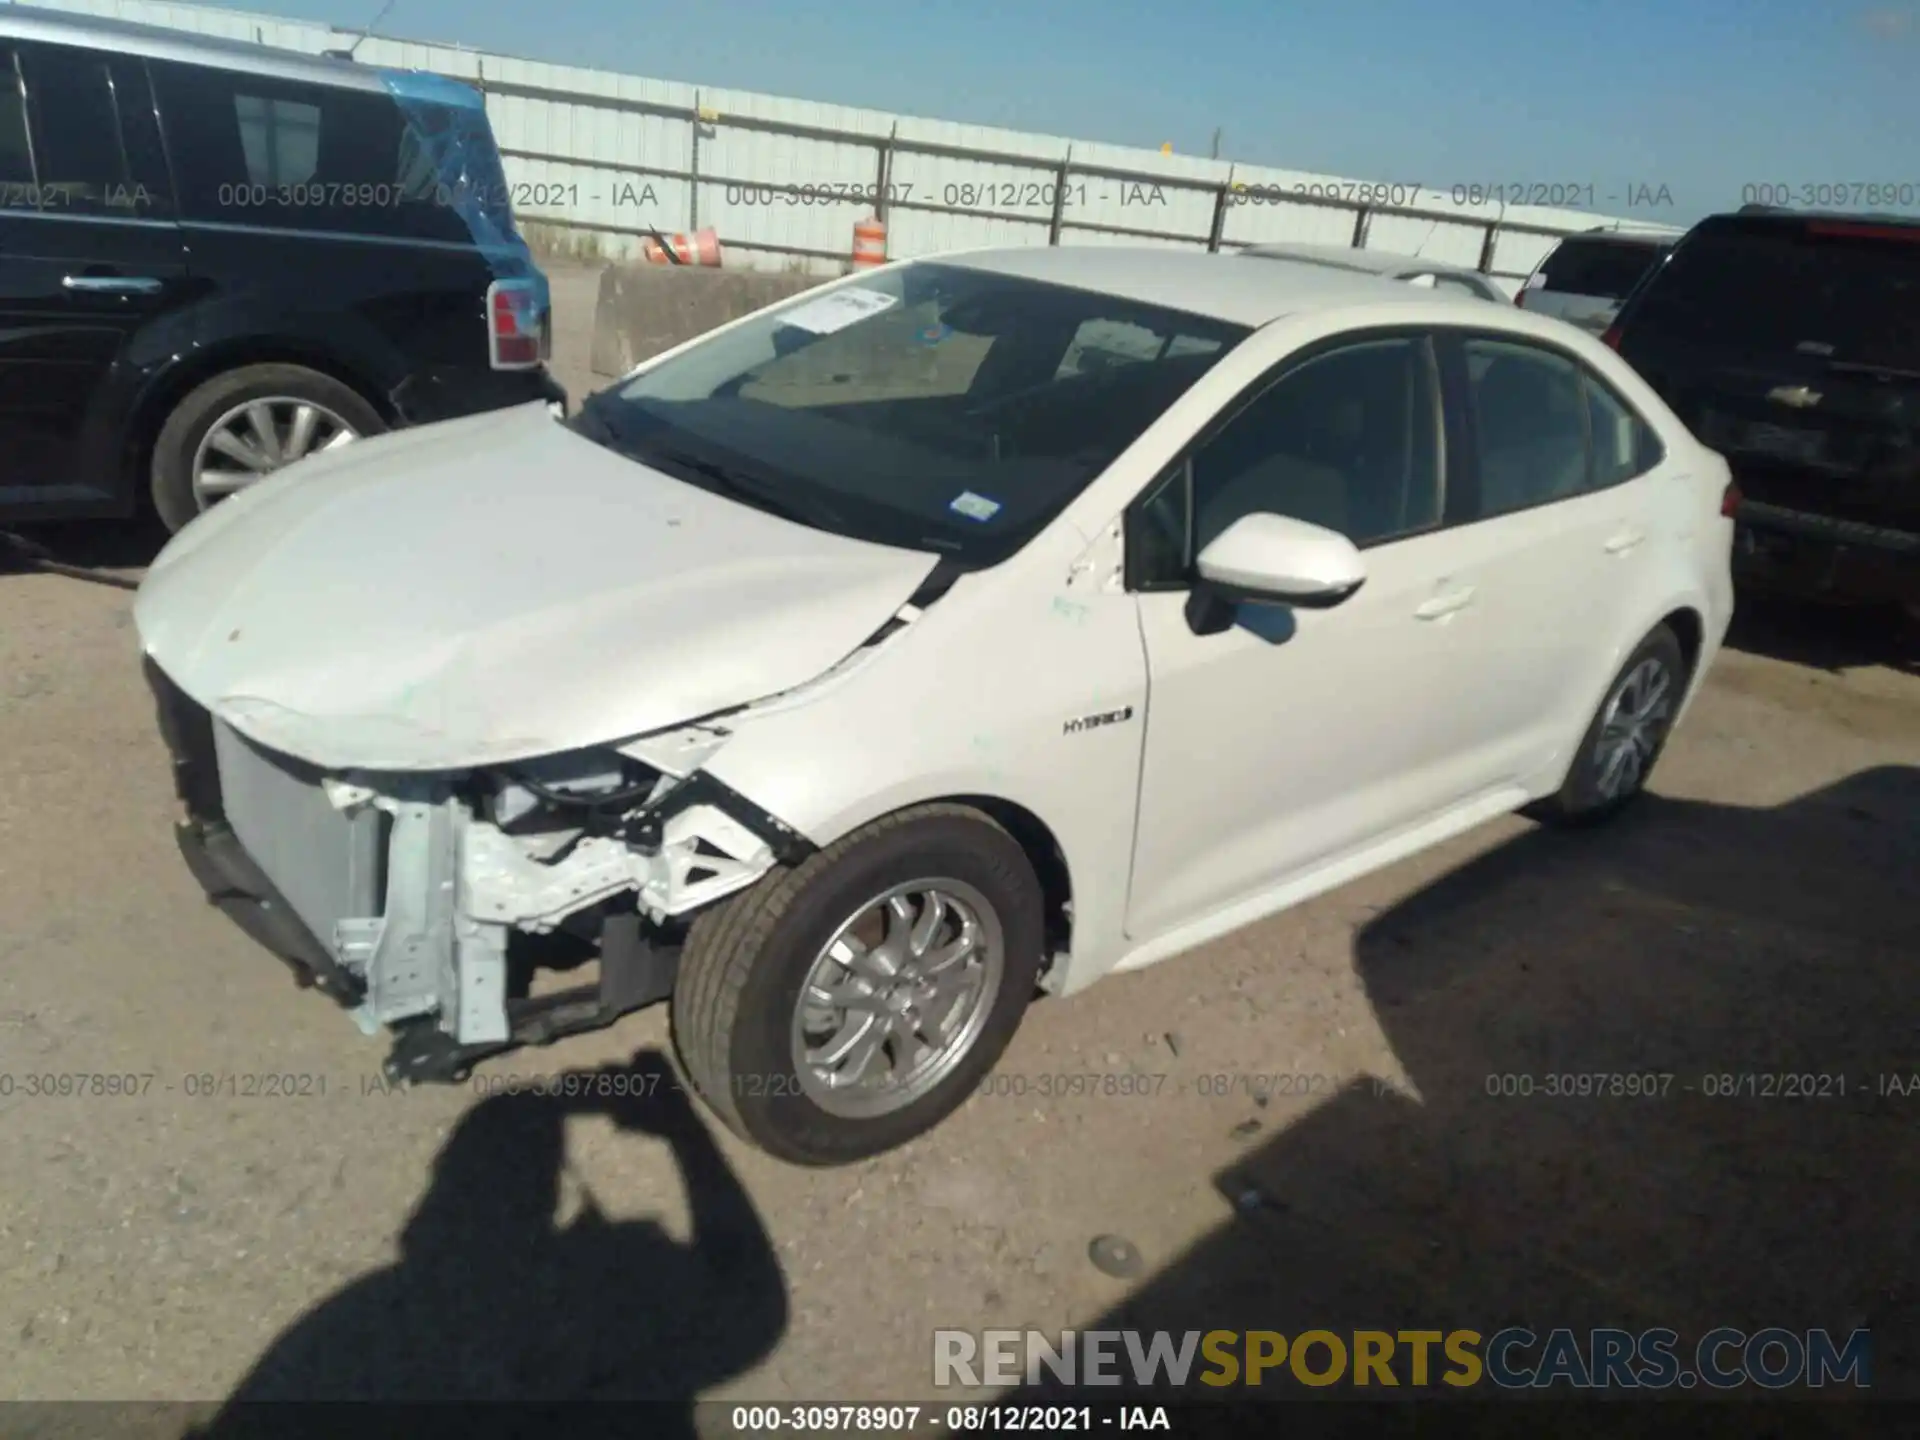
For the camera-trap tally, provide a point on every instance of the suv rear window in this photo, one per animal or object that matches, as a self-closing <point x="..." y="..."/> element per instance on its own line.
<point x="1604" y="269"/>
<point x="1840" y="291"/>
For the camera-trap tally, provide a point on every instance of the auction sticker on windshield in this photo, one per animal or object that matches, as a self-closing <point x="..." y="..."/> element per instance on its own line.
<point x="974" y="507"/>
<point x="837" y="311"/>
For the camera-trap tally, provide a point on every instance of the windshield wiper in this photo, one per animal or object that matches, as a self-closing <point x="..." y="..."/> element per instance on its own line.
<point x="595" y="421"/>
<point x="733" y="483"/>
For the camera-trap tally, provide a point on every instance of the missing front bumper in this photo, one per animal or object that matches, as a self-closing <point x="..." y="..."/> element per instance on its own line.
<point x="635" y="970"/>
<point x="408" y="922"/>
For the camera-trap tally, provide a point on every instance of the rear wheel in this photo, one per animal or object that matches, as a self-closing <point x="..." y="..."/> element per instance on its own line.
<point x="239" y="427"/>
<point x="844" y="1006"/>
<point x="1629" y="731"/>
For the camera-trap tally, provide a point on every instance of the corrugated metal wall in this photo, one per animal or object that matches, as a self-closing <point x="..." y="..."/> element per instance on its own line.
<point x="783" y="181"/>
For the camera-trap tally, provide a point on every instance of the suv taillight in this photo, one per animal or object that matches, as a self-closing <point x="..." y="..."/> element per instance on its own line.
<point x="1730" y="501"/>
<point x="519" y="328"/>
<point x="1612" y="338"/>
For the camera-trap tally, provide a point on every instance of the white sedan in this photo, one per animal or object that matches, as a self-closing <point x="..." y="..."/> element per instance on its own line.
<point x="962" y="630"/>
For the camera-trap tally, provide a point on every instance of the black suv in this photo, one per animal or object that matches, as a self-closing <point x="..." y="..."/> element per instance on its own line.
<point x="1790" y="342"/>
<point x="216" y="258"/>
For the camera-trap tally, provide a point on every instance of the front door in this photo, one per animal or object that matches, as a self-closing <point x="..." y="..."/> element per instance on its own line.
<point x="89" y="254"/>
<point x="1293" y="735"/>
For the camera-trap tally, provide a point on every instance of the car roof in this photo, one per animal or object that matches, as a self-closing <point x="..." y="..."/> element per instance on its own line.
<point x="20" y="22"/>
<point x="1220" y="287"/>
<point x="1768" y="216"/>
<point x="1363" y="261"/>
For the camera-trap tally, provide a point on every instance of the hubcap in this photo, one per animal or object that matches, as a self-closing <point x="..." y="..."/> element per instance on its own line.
<point x="897" y="997"/>
<point x="1634" y="725"/>
<point x="259" y="437"/>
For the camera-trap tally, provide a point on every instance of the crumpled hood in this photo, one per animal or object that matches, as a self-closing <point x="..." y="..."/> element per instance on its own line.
<point x="493" y="589"/>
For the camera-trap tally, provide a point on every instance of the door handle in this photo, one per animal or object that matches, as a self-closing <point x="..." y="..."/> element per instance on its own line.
<point x="1621" y="543"/>
<point x="111" y="284"/>
<point x="1445" y="604"/>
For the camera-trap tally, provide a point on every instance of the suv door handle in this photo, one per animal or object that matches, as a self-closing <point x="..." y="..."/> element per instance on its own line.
<point x="111" y="284"/>
<point x="1624" y="541"/>
<point x="1445" y="604"/>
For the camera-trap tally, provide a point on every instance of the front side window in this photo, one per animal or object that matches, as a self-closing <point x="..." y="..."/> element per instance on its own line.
<point x="1349" y="440"/>
<point x="932" y="407"/>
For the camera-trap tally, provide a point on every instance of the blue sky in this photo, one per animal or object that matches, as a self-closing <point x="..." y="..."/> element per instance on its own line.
<point x="1702" y="97"/>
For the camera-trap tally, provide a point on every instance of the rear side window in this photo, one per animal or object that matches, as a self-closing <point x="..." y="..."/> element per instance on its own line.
<point x="256" y="150"/>
<point x="1604" y="269"/>
<point x="1530" y="421"/>
<point x="1828" y="290"/>
<point x="1548" y="429"/>
<point x="1624" y="444"/>
<point x="76" y="134"/>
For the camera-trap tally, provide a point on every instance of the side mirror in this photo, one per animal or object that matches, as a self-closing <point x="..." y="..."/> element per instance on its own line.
<point x="1271" y="559"/>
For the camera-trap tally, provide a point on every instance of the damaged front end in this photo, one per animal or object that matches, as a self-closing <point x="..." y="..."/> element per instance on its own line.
<point x="441" y="905"/>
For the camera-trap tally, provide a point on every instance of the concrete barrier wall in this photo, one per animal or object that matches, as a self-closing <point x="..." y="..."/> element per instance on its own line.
<point x="646" y="309"/>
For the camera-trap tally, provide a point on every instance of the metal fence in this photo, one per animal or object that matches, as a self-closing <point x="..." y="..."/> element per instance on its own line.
<point x="548" y="189"/>
<point x="603" y="159"/>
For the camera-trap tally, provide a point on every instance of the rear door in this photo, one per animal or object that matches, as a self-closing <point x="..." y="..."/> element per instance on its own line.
<point x="89" y="257"/>
<point x="1586" y="278"/>
<point x="1556" y="489"/>
<point x="1792" y="346"/>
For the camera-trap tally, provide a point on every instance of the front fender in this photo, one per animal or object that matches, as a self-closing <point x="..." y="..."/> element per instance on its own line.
<point x="980" y="700"/>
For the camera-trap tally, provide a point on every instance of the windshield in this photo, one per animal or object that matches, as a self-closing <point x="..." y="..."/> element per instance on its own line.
<point x="932" y="406"/>
<point x="1839" y="292"/>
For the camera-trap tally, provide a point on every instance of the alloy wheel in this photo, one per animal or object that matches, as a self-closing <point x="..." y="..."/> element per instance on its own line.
<point x="258" y="437"/>
<point x="897" y="997"/>
<point x="1632" y="729"/>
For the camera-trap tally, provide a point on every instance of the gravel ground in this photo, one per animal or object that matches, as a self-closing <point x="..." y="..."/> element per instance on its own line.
<point x="1758" y="915"/>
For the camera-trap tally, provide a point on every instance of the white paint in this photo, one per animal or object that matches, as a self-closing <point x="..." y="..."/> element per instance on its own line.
<point x="483" y="589"/>
<point x="1278" y="555"/>
<point x="493" y="589"/>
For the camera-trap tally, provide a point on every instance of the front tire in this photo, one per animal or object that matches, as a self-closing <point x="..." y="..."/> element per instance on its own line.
<point x="1628" y="733"/>
<point x="846" y="1005"/>
<point x="243" y="425"/>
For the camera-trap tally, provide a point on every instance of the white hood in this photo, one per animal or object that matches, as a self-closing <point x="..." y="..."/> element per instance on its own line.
<point x="494" y="589"/>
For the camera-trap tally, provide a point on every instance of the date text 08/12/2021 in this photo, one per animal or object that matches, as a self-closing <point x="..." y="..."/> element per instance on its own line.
<point x="1131" y="1085"/>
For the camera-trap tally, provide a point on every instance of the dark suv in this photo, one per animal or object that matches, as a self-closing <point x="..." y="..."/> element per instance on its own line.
<point x="216" y="258"/>
<point x="1790" y="343"/>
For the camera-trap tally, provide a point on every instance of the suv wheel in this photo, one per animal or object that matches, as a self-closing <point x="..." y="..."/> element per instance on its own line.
<point x="842" y="1007"/>
<point x="1618" y="752"/>
<point x="238" y="427"/>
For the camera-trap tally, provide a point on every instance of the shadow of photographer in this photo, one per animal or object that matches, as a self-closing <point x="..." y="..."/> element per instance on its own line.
<point x="494" y="1305"/>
